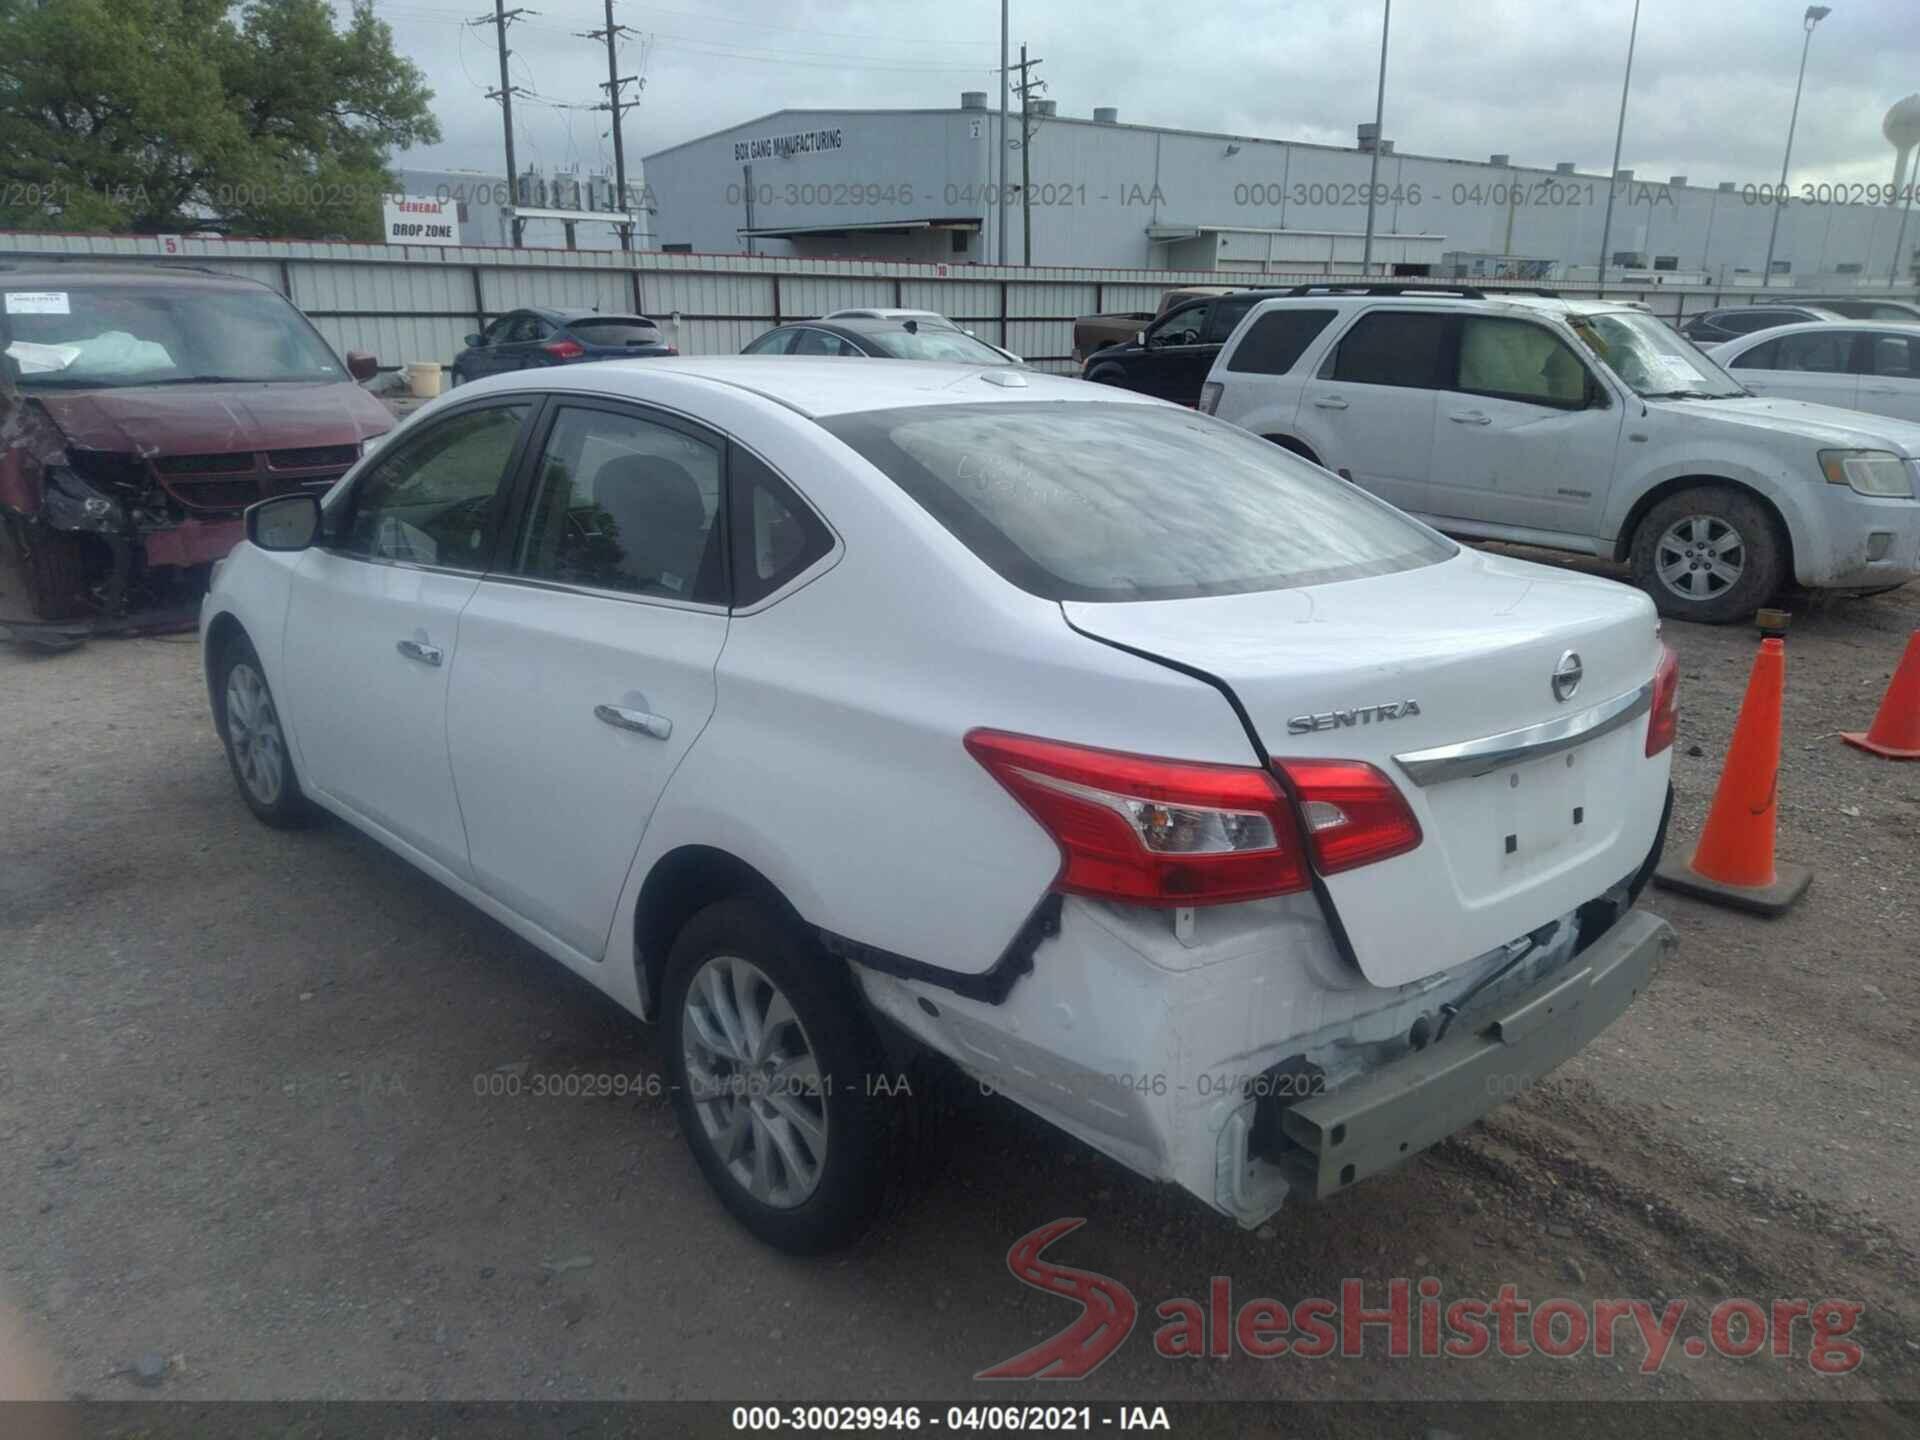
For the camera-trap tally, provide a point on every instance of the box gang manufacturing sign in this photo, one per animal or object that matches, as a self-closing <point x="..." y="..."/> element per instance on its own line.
<point x="785" y="147"/>
<point x="419" y="220"/>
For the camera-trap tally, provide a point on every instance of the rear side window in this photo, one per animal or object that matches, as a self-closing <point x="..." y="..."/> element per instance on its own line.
<point x="774" y="342"/>
<point x="1226" y="314"/>
<point x="775" y="535"/>
<point x="1821" y="352"/>
<point x="1075" y="500"/>
<point x="1394" y="347"/>
<point x="1277" y="339"/>
<point x="615" y="331"/>
<point x="820" y="342"/>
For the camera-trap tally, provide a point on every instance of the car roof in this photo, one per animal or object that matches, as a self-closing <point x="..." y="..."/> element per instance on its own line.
<point x="1815" y="327"/>
<point x="1811" y="307"/>
<point x="816" y="386"/>
<point x="566" y="317"/>
<point x="41" y="276"/>
<point x="1495" y="302"/>
<point x="859" y="312"/>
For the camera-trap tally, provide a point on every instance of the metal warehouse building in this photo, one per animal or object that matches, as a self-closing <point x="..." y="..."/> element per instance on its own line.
<point x="916" y="185"/>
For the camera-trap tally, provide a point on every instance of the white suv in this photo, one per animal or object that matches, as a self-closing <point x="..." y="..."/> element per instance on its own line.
<point x="1582" y="425"/>
<point x="1246" y="829"/>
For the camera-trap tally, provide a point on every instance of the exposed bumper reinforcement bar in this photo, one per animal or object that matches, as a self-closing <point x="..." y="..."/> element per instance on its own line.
<point x="1387" y="1117"/>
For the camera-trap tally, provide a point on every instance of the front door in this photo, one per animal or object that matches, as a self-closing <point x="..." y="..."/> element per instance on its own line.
<point x="1525" y="435"/>
<point x="586" y="662"/>
<point x="374" y="616"/>
<point x="1174" y="362"/>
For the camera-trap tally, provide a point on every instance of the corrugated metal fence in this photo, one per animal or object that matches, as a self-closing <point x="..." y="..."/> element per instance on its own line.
<point x="410" y="303"/>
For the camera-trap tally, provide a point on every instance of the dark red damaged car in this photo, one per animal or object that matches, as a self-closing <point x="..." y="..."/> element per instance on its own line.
<point x="142" y="409"/>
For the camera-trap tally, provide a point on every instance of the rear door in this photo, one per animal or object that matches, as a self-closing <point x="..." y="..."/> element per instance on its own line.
<point x="1368" y="413"/>
<point x="1891" y="382"/>
<point x="1814" y="365"/>
<point x="374" y="614"/>
<point x="1525" y="434"/>
<point x="586" y="660"/>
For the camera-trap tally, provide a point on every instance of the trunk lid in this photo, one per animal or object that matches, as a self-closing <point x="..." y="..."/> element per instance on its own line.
<point x="1393" y="665"/>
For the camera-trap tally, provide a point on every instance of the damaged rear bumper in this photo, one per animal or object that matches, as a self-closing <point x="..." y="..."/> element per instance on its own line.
<point x="1384" y="1118"/>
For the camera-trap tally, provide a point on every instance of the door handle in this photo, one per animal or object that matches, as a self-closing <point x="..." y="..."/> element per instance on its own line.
<point x="1470" y="417"/>
<point x="1330" y="402"/>
<point x="419" y="650"/>
<point x="657" y="727"/>
<point x="1879" y="390"/>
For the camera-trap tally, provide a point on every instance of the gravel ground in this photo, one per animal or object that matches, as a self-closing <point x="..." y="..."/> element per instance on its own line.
<point x="247" y="1156"/>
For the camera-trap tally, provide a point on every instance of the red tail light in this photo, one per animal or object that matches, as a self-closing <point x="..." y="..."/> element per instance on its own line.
<point x="1177" y="832"/>
<point x="1665" y="715"/>
<point x="565" y="349"/>
<point x="673" y="349"/>
<point x="1355" y="815"/>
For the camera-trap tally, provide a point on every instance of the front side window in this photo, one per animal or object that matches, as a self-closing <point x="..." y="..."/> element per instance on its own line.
<point x="1078" y="500"/>
<point x="1514" y="360"/>
<point x="1404" y="348"/>
<point x="774" y="342"/>
<point x="1760" y="357"/>
<point x="1183" y="327"/>
<point x="626" y="504"/>
<point x="434" y="500"/>
<point x="1897" y="357"/>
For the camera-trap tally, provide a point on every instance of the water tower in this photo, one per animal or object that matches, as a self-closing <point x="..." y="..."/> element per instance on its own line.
<point x="1902" y="129"/>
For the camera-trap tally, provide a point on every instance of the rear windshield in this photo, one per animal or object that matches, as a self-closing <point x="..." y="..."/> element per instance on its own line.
<point x="615" y="331"/>
<point x="1073" y="500"/>
<point x="934" y="342"/>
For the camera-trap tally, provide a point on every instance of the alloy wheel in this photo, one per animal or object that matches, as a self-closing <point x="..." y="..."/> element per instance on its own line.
<point x="754" y="1082"/>
<point x="253" y="729"/>
<point x="1700" y="557"/>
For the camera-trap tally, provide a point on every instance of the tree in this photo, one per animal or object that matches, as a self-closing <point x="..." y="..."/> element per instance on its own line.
<point x="253" y="117"/>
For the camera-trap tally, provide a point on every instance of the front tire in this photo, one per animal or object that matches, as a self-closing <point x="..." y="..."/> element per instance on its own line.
<point x="770" y="1055"/>
<point x="1710" y="554"/>
<point x="256" y="741"/>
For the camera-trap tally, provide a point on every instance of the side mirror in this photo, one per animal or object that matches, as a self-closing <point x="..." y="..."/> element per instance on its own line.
<point x="361" y="365"/>
<point x="1140" y="338"/>
<point x="286" y="522"/>
<point x="474" y="341"/>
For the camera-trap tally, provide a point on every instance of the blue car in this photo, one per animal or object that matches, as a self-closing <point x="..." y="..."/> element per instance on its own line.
<point x="528" y="339"/>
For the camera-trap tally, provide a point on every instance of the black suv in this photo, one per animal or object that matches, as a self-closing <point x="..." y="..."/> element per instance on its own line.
<point x="1710" y="327"/>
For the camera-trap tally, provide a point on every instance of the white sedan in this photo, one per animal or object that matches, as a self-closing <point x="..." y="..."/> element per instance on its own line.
<point x="1246" y="829"/>
<point x="1857" y="364"/>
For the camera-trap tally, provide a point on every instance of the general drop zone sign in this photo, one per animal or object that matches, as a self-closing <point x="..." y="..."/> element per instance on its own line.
<point x="785" y="147"/>
<point x="419" y="220"/>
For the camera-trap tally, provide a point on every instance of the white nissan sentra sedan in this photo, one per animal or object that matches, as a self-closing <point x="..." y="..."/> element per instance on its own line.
<point x="1237" y="824"/>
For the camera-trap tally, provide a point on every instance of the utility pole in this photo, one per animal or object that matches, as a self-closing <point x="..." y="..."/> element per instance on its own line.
<point x="998" y="177"/>
<point x="1815" y="14"/>
<point x="1619" y="134"/>
<point x="500" y="19"/>
<point x="618" y="107"/>
<point x="1026" y="89"/>
<point x="1379" y="116"/>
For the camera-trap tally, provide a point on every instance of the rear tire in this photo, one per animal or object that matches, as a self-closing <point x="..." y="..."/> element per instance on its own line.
<point x="1709" y="554"/>
<point x="256" y="740"/>
<point x="770" y="1054"/>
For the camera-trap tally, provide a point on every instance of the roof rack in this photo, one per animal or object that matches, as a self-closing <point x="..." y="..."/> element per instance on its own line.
<point x="1369" y="287"/>
<point x="112" y="262"/>
<point x="1527" y="290"/>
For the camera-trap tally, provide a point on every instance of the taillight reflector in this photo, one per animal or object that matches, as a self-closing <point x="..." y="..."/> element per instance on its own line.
<point x="1665" y="714"/>
<point x="1355" y="815"/>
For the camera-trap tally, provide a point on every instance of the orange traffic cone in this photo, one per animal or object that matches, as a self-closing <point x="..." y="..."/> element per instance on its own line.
<point x="1895" y="732"/>
<point x="1734" y="863"/>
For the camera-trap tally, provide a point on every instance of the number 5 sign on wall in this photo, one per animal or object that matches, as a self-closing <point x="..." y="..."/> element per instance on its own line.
<point x="170" y="244"/>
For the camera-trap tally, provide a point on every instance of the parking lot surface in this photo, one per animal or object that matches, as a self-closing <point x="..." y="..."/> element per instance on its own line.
<point x="269" y="1111"/>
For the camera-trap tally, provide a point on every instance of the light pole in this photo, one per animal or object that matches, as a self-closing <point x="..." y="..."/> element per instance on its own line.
<point x="997" y="174"/>
<point x="1815" y="14"/>
<point x="1619" y="134"/>
<point x="1379" y="109"/>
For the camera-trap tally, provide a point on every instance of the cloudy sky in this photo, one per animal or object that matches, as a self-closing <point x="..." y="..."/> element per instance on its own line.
<point x="1712" y="79"/>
